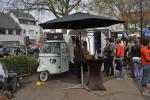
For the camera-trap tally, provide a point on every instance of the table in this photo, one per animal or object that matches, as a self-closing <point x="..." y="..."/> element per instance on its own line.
<point x="95" y="81"/>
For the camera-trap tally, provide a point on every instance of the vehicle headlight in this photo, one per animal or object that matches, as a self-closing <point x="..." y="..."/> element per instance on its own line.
<point x="52" y="60"/>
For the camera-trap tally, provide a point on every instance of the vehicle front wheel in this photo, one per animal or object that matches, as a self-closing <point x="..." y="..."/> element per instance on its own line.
<point x="43" y="76"/>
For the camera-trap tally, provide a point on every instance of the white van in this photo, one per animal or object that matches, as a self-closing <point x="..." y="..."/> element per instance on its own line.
<point x="53" y="58"/>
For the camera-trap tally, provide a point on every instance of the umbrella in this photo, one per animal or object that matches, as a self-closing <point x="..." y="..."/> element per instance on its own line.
<point x="79" y="21"/>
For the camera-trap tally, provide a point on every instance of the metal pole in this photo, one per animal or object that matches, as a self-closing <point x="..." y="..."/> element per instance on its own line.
<point x="141" y="20"/>
<point x="82" y="78"/>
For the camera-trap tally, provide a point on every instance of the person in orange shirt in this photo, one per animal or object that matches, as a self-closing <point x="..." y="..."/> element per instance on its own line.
<point x="145" y="62"/>
<point x="120" y="51"/>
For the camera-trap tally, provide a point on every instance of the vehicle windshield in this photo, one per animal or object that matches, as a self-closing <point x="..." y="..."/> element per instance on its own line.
<point x="50" y="47"/>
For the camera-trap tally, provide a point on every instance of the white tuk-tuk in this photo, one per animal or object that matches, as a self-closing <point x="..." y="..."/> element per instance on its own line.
<point x="53" y="57"/>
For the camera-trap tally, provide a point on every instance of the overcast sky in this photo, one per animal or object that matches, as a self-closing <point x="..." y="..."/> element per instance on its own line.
<point x="40" y="16"/>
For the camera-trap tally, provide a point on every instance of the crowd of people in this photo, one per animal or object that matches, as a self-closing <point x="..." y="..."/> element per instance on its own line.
<point x="119" y="54"/>
<point x="126" y="54"/>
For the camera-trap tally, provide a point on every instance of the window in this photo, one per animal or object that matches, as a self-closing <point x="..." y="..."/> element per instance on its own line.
<point x="31" y="31"/>
<point x="63" y="47"/>
<point x="51" y="47"/>
<point x="24" y="31"/>
<point x="10" y="31"/>
<point x="18" y="32"/>
<point x="32" y="22"/>
<point x="23" y="21"/>
<point x="2" y="31"/>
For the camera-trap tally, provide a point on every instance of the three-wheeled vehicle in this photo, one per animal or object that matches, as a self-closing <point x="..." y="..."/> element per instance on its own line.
<point x="53" y="56"/>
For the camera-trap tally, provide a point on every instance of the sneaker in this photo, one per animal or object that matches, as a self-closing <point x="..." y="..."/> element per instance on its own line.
<point x="119" y="79"/>
<point x="112" y="74"/>
<point x="14" y="90"/>
<point x="148" y="86"/>
<point x="146" y="92"/>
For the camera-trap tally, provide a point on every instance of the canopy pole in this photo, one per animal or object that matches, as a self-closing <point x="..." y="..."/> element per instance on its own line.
<point x="82" y="82"/>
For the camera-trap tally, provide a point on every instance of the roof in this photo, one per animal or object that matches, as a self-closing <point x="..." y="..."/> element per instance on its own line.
<point x="135" y="16"/>
<point x="7" y="22"/>
<point x="22" y="15"/>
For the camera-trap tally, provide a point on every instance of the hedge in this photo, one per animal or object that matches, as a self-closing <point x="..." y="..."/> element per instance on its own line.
<point x="25" y="64"/>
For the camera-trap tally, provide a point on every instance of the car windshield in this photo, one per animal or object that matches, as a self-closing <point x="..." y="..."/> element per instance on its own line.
<point x="50" y="47"/>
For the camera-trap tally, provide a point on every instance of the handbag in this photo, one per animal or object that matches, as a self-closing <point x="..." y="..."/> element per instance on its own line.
<point x="117" y="62"/>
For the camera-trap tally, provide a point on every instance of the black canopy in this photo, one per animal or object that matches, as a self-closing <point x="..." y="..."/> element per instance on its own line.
<point x="79" y="21"/>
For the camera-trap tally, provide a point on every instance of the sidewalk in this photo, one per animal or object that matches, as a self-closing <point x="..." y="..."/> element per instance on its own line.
<point x="54" y="90"/>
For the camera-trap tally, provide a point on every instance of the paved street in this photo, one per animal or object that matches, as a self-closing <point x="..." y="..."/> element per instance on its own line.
<point x="54" y="90"/>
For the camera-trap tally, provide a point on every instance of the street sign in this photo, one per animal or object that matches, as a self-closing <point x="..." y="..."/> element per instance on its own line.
<point x="147" y="33"/>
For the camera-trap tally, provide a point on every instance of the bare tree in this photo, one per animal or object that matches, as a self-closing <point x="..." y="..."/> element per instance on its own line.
<point x="58" y="7"/>
<point x="118" y="8"/>
<point x="7" y="5"/>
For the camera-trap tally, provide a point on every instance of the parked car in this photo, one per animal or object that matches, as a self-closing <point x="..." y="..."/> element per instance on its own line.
<point x="11" y="51"/>
<point x="4" y="52"/>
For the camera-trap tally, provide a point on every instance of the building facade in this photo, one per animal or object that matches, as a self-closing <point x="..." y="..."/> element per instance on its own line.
<point x="28" y="25"/>
<point x="9" y="31"/>
<point x="14" y="26"/>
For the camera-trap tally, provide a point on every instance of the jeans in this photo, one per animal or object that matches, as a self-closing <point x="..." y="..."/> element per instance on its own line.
<point x="146" y="74"/>
<point x="138" y="69"/>
<point x="131" y="67"/>
<point x="110" y="66"/>
<point x="78" y="68"/>
<point x="105" y="64"/>
<point x="12" y="80"/>
<point x="2" y="85"/>
<point x="122" y="72"/>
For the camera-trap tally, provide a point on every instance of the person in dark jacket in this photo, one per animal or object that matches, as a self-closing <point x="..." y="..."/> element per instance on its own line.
<point x="135" y="52"/>
<point x="111" y="55"/>
<point x="78" y="55"/>
<point x="105" y="55"/>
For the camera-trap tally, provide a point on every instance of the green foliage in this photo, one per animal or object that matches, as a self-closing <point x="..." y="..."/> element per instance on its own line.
<point x="26" y="64"/>
<point x="1" y="45"/>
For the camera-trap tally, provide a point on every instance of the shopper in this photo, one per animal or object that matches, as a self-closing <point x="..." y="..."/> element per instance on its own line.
<point x="135" y="52"/>
<point x="145" y="61"/>
<point x="105" y="54"/>
<point x="120" y="51"/>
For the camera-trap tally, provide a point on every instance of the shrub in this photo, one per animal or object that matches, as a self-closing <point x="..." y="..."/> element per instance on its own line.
<point x="1" y="45"/>
<point x="25" y="64"/>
